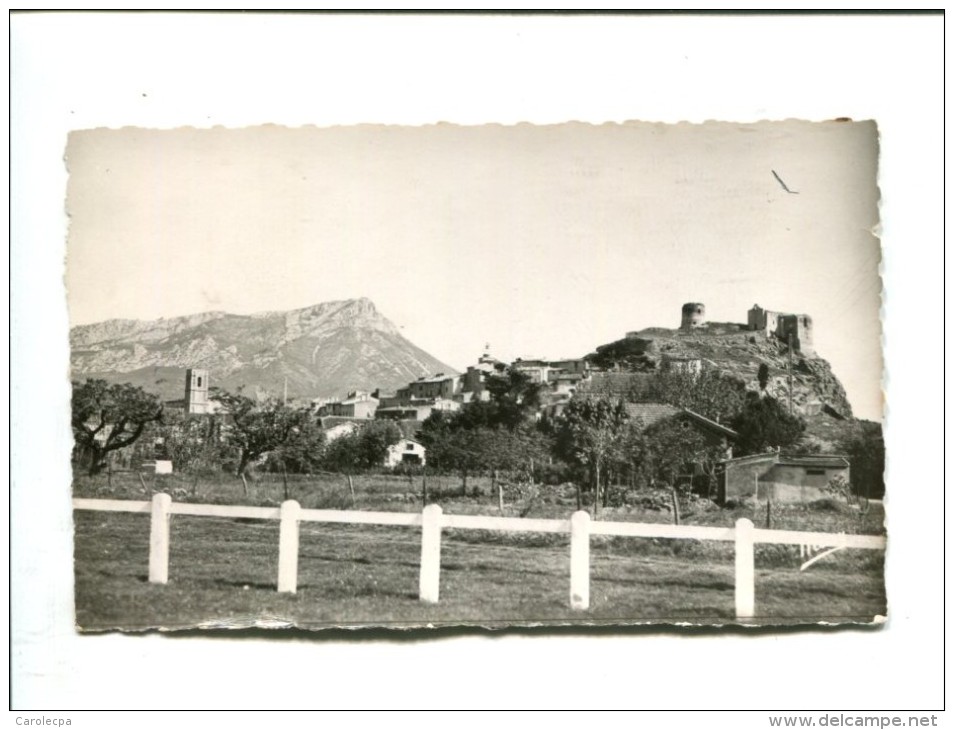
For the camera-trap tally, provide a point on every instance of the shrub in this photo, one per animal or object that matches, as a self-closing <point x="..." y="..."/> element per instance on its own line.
<point x="556" y="473"/>
<point x="826" y="504"/>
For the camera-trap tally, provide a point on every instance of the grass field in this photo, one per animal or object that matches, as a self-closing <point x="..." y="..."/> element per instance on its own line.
<point x="223" y="571"/>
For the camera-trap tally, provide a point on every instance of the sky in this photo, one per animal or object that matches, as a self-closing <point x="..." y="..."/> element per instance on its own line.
<point x="543" y="241"/>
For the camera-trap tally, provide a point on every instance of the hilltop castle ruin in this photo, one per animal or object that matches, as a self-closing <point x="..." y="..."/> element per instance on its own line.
<point x="693" y="315"/>
<point x="794" y="329"/>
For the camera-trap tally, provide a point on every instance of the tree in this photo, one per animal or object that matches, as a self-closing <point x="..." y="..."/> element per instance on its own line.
<point x="374" y="440"/>
<point x="302" y="452"/>
<point x="763" y="424"/>
<point x="259" y="429"/>
<point x="454" y="443"/>
<point x="865" y="450"/>
<point x="710" y="393"/>
<point x="190" y="441"/>
<point x="838" y="486"/>
<point x="590" y="433"/>
<point x="472" y="440"/>
<point x="632" y="451"/>
<point x="341" y="455"/>
<point x="514" y="397"/>
<point x="362" y="449"/>
<point x="675" y="452"/>
<point x="763" y="376"/>
<point x="108" y="417"/>
<point x="513" y="453"/>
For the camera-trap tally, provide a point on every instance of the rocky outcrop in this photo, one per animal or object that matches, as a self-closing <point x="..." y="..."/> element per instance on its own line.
<point x="737" y="351"/>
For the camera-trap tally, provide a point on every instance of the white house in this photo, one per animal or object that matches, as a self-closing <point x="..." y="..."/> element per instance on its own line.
<point x="405" y="451"/>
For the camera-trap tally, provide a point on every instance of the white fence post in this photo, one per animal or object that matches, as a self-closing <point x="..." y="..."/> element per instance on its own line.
<point x="159" y="539"/>
<point x="430" y="585"/>
<point x="580" y="561"/>
<point x="744" y="569"/>
<point x="288" y="547"/>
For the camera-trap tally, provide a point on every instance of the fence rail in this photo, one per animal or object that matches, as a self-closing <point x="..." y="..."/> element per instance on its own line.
<point x="432" y="521"/>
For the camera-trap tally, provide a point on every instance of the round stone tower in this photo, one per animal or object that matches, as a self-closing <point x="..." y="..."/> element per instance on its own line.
<point x="693" y="315"/>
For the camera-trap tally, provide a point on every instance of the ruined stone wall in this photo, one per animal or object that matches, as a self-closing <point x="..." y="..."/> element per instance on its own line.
<point x="799" y="328"/>
<point x="763" y="320"/>
<point x="781" y="325"/>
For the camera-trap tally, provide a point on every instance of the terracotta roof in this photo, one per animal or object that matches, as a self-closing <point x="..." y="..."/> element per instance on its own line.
<point x="714" y="425"/>
<point x="652" y="413"/>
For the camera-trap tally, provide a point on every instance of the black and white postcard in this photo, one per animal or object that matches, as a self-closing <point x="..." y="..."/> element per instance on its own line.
<point x="486" y="375"/>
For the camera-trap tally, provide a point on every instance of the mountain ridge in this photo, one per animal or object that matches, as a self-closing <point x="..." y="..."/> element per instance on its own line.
<point x="323" y="350"/>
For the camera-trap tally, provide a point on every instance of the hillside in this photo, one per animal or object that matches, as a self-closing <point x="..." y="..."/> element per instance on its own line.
<point x="323" y="351"/>
<point x="736" y="351"/>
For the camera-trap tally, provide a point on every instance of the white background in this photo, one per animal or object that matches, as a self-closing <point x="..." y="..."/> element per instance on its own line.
<point x="81" y="71"/>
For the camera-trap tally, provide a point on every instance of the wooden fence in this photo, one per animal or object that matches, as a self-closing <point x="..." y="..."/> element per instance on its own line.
<point x="432" y="520"/>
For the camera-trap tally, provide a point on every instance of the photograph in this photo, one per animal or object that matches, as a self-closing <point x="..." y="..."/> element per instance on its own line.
<point x="406" y="360"/>
<point x="489" y="375"/>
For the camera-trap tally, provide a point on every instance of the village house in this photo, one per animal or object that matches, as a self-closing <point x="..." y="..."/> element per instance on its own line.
<point x="405" y="451"/>
<point x="563" y="383"/>
<point x="401" y="413"/>
<point x="449" y="392"/>
<point x="417" y="409"/>
<point x="386" y="400"/>
<point x="436" y="386"/>
<point x="538" y="371"/>
<point x="420" y="398"/>
<point x="357" y="404"/>
<point x="714" y="433"/>
<point x="473" y="381"/>
<point x="781" y="477"/>
<point x="551" y="372"/>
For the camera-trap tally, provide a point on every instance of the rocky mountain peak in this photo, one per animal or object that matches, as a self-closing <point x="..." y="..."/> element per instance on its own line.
<point x="359" y="313"/>
<point x="322" y="350"/>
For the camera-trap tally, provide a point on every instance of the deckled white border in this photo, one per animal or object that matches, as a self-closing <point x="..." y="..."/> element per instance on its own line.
<point x="76" y="71"/>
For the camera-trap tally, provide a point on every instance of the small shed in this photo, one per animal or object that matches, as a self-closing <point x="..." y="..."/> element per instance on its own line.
<point x="782" y="477"/>
<point x="405" y="451"/>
